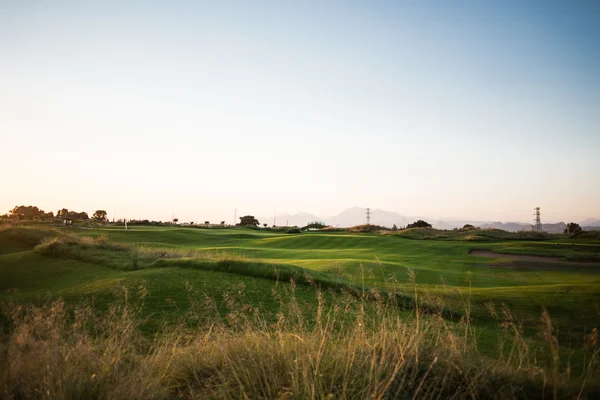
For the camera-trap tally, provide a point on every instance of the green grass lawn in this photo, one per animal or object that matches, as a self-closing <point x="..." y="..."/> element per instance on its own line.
<point x="444" y="271"/>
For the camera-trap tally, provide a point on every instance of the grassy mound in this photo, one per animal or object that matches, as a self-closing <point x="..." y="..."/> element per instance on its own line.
<point x="258" y="269"/>
<point x="469" y="235"/>
<point x="95" y="251"/>
<point x="20" y="238"/>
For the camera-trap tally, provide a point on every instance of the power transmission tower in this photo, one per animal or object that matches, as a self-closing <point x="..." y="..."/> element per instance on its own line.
<point x="537" y="227"/>
<point x="368" y="213"/>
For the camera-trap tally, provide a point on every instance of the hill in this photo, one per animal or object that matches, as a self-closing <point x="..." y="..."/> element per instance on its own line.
<point x="356" y="216"/>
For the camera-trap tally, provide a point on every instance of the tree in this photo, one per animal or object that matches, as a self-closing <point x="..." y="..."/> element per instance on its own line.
<point x="394" y="228"/>
<point x="222" y="223"/>
<point x="468" y="226"/>
<point x="572" y="227"/>
<point x="265" y="225"/>
<point x="206" y="223"/>
<point x="26" y="212"/>
<point x="248" y="220"/>
<point x="65" y="213"/>
<point x="175" y="220"/>
<point x="78" y="215"/>
<point x="99" y="215"/>
<point x="315" y="225"/>
<point x="419" y="224"/>
<point x="62" y="213"/>
<point x="191" y="222"/>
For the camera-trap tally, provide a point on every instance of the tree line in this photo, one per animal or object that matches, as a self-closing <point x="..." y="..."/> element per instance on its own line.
<point x="34" y="213"/>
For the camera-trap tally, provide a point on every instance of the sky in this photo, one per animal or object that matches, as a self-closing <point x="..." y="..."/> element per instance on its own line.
<point x="464" y="109"/>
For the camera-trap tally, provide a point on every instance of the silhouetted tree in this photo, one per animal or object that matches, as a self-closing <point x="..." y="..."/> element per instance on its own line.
<point x="65" y="213"/>
<point x="394" y="228"/>
<point x="248" y="220"/>
<point x="419" y="224"/>
<point x="468" y="226"/>
<point x="26" y="212"/>
<point x="222" y="222"/>
<point x="315" y="225"/>
<point x="206" y="223"/>
<point x="99" y="215"/>
<point x="265" y="225"/>
<point x="175" y="220"/>
<point x="572" y="227"/>
<point x="62" y="213"/>
<point x="78" y="215"/>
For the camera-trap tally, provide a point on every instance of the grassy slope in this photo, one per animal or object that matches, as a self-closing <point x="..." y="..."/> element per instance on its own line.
<point x="570" y="295"/>
<point x="376" y="259"/>
<point x="29" y="276"/>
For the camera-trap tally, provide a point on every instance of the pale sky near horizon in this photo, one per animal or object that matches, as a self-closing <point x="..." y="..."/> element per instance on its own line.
<point x="474" y="110"/>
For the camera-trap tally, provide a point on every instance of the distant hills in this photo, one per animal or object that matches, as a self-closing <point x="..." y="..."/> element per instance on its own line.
<point x="356" y="216"/>
<point x="590" y="222"/>
<point x="519" y="226"/>
<point x="350" y="217"/>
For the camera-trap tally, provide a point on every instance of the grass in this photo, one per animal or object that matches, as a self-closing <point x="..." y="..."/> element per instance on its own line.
<point x="232" y="287"/>
<point x="329" y="258"/>
<point x="346" y="347"/>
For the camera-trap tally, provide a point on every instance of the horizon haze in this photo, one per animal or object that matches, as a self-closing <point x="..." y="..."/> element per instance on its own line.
<point x="469" y="111"/>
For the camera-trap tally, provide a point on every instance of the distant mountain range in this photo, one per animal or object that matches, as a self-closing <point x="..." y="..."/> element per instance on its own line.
<point x="356" y="216"/>
<point x="520" y="226"/>
<point x="350" y="217"/>
<point x="590" y="222"/>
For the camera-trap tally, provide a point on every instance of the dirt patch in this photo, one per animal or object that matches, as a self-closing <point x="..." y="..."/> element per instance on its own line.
<point x="527" y="261"/>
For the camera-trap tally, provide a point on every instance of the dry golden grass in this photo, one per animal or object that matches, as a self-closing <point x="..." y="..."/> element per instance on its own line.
<point x="344" y="347"/>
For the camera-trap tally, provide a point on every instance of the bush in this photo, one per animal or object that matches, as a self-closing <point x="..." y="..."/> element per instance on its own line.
<point x="249" y="221"/>
<point x="419" y="224"/>
<point x="572" y="228"/>
<point x="315" y="225"/>
<point x="368" y="228"/>
<point x="143" y="222"/>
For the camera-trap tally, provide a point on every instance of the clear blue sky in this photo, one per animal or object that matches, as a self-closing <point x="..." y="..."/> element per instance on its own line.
<point x="472" y="109"/>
